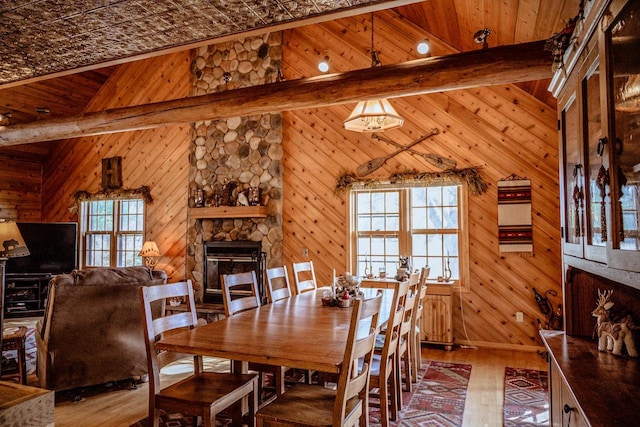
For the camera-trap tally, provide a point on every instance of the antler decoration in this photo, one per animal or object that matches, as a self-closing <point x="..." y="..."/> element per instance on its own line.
<point x="604" y="299"/>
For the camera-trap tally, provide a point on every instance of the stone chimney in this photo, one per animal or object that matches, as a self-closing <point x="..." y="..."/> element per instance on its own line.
<point x="244" y="151"/>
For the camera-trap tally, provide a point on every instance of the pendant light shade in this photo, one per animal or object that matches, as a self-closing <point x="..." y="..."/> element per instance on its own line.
<point x="373" y="116"/>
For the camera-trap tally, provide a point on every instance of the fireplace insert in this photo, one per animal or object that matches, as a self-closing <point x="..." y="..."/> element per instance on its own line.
<point x="228" y="257"/>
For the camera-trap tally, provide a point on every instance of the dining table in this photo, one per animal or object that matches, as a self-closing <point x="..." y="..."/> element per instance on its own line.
<point x="297" y="332"/>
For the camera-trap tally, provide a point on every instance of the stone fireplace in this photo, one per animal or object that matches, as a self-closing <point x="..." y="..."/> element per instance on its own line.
<point x="246" y="151"/>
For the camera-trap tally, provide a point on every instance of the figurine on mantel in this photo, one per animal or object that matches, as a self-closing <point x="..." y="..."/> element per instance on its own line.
<point x="613" y="331"/>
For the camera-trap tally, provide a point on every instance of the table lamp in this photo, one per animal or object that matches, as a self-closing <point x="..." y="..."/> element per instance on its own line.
<point x="150" y="253"/>
<point x="13" y="246"/>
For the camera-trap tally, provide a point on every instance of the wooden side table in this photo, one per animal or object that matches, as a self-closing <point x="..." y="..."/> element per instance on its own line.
<point x="22" y="405"/>
<point x="14" y="339"/>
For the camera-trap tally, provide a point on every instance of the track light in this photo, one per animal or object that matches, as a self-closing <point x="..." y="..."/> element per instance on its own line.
<point x="480" y="37"/>
<point x="323" y="65"/>
<point x="423" y="47"/>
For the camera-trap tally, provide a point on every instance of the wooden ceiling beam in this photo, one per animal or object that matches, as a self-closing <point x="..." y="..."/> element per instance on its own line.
<point x="485" y="67"/>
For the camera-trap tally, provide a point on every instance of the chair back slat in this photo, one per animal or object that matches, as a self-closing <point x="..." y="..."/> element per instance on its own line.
<point x="304" y="276"/>
<point x="168" y="323"/>
<point x="277" y="276"/>
<point x="394" y="323"/>
<point x="410" y="304"/>
<point x="231" y="282"/>
<point x="422" y="286"/>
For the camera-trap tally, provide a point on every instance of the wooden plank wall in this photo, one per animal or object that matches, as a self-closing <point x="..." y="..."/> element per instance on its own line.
<point x="158" y="158"/>
<point x="20" y="189"/>
<point x="503" y="129"/>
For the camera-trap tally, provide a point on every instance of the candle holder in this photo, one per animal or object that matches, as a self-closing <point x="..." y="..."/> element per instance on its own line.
<point x="447" y="272"/>
<point x="198" y="198"/>
<point x="254" y="196"/>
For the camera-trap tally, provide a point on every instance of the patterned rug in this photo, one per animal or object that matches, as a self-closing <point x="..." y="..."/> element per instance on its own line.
<point x="526" y="397"/>
<point x="436" y="400"/>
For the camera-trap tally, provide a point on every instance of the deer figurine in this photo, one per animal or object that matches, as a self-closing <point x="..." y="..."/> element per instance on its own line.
<point x="612" y="335"/>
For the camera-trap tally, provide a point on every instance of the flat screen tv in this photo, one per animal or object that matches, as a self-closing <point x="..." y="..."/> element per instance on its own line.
<point x="53" y="247"/>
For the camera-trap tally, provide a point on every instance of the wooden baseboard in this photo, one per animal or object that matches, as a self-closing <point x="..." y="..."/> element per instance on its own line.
<point x="499" y="346"/>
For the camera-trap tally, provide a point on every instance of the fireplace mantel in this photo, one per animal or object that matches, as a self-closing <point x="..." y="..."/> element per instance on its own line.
<point x="228" y="212"/>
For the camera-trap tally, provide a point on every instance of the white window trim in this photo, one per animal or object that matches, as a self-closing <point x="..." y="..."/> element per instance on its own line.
<point x="82" y="222"/>
<point x="463" y="285"/>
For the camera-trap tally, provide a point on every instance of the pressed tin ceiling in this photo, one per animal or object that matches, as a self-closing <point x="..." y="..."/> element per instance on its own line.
<point x="44" y="37"/>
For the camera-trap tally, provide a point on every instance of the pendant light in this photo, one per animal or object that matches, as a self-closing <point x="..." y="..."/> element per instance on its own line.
<point x="375" y="115"/>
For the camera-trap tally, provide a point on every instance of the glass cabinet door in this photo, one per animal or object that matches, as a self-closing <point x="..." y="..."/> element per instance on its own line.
<point x="623" y="43"/>
<point x="573" y="179"/>
<point x="596" y="168"/>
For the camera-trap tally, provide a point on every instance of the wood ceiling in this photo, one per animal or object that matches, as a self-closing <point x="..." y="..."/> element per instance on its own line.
<point x="453" y="22"/>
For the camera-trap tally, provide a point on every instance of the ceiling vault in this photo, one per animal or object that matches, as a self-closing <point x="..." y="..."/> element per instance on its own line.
<point x="484" y="67"/>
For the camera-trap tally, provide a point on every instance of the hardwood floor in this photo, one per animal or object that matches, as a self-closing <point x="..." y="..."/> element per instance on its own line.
<point x="483" y="404"/>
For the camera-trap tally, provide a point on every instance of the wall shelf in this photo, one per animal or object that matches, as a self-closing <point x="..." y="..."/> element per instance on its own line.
<point x="228" y="212"/>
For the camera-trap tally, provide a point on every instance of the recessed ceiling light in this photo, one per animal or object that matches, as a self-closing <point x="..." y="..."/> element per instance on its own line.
<point x="323" y="65"/>
<point x="423" y="47"/>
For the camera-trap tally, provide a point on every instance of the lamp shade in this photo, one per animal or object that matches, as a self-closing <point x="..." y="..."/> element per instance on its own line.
<point x="373" y="116"/>
<point x="149" y="249"/>
<point x="13" y="245"/>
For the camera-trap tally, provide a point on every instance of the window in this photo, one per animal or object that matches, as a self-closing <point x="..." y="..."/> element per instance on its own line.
<point x="112" y="232"/>
<point x="426" y="223"/>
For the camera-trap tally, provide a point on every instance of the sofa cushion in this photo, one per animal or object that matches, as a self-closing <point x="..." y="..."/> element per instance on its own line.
<point x="100" y="275"/>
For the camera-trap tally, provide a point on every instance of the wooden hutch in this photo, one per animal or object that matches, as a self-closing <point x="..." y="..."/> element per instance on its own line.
<point x="597" y="85"/>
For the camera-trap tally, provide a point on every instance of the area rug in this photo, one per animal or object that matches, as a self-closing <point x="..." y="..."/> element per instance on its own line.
<point x="436" y="400"/>
<point x="526" y="397"/>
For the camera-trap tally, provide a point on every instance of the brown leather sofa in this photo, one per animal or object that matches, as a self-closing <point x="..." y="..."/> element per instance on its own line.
<point x="92" y="331"/>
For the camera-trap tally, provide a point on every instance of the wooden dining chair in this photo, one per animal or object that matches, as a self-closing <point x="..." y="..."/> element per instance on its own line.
<point x="277" y="276"/>
<point x="406" y="331"/>
<point x="384" y="375"/>
<point x="203" y="394"/>
<point x="315" y="405"/>
<point x="416" y="361"/>
<point x="249" y="299"/>
<point x="278" y="288"/>
<point x="247" y="296"/>
<point x="304" y="276"/>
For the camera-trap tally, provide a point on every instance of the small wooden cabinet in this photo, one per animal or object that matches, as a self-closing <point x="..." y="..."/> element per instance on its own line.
<point x="437" y="316"/>
<point x="565" y="410"/>
<point x="588" y="387"/>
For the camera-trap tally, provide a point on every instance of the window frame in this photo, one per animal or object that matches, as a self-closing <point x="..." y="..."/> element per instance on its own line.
<point x="115" y="233"/>
<point x="404" y="230"/>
